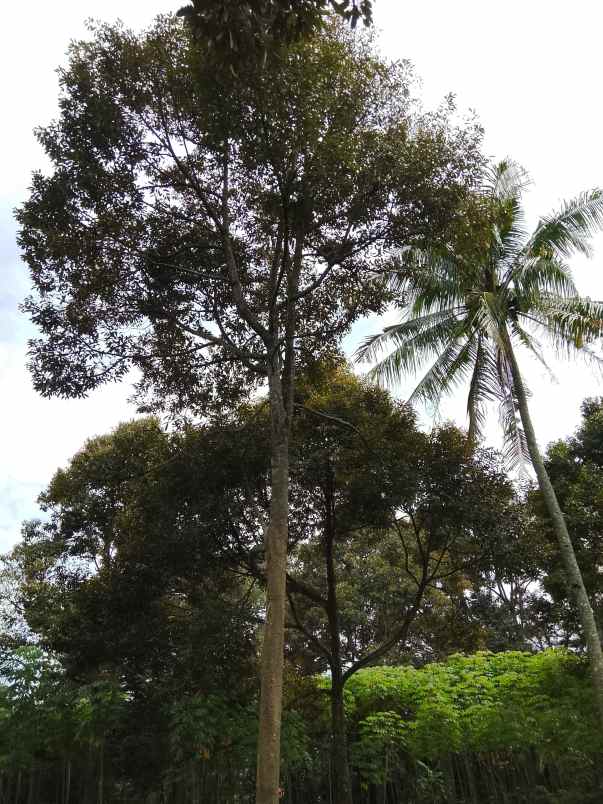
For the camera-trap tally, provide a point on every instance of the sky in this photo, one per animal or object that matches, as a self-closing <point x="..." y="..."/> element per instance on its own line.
<point x="531" y="71"/>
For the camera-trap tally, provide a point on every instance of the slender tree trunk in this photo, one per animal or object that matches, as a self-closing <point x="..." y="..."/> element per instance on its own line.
<point x="342" y="788"/>
<point x="31" y="786"/>
<point x="67" y="796"/>
<point x="269" y="733"/>
<point x="18" y="788"/>
<point x="101" y="773"/>
<point x="572" y="570"/>
<point x="342" y="792"/>
<point x="449" y="778"/>
<point x="470" y="774"/>
<point x="385" y="775"/>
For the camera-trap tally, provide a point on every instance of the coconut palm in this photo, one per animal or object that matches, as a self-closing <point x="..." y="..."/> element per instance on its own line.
<point x="467" y="308"/>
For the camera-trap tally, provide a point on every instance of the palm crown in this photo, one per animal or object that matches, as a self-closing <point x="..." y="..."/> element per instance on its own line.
<point x="463" y="308"/>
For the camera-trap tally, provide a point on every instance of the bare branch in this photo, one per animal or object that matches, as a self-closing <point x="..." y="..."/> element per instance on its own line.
<point x="308" y="634"/>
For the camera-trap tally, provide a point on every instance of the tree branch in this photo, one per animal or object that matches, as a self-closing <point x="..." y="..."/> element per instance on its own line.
<point x="308" y="634"/>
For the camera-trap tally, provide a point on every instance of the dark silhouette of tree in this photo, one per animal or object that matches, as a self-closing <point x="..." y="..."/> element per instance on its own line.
<point x="215" y="234"/>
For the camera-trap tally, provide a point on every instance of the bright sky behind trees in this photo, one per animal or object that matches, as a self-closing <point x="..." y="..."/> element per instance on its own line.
<point x="530" y="70"/>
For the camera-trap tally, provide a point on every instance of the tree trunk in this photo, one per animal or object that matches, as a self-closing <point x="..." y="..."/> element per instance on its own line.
<point x="342" y="787"/>
<point x="67" y="795"/>
<point x="572" y="570"/>
<point x="269" y="732"/>
<point x="385" y="775"/>
<point x="469" y="773"/>
<point x="18" y="789"/>
<point x="101" y="773"/>
<point x="31" y="789"/>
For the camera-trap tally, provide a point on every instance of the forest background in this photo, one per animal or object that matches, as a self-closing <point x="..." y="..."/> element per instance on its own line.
<point x="532" y="79"/>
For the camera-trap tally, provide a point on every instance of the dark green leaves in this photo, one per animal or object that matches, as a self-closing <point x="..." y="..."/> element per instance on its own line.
<point x="234" y="27"/>
<point x="164" y="236"/>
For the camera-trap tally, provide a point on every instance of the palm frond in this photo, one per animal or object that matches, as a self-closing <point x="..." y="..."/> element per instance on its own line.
<point x="529" y="342"/>
<point x="569" y="323"/>
<point x="512" y="233"/>
<point x="592" y="359"/>
<point x="416" y="339"/>
<point x="483" y="388"/>
<point x="533" y="276"/>
<point x="515" y="445"/>
<point x="413" y="352"/>
<point x="569" y="230"/>
<point x="449" y="370"/>
<point x="507" y="179"/>
<point x="488" y="315"/>
<point x="429" y="280"/>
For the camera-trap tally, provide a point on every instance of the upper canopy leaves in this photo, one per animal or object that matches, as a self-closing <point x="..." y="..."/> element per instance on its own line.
<point x="238" y="31"/>
<point x="197" y="228"/>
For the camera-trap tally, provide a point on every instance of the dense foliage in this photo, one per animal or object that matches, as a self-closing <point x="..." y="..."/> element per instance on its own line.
<point x="218" y="234"/>
<point x="247" y="33"/>
<point x="191" y="230"/>
<point x="508" y="727"/>
<point x="133" y="617"/>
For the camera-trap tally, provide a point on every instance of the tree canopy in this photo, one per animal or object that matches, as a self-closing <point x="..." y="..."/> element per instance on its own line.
<point x="166" y="234"/>
<point x="237" y="31"/>
<point x="206" y="609"/>
<point x="494" y="277"/>
<point x="575" y="466"/>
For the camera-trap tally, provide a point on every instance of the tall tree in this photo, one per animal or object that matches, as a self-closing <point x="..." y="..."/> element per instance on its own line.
<point x="468" y="306"/>
<point x="384" y="522"/>
<point x="214" y="234"/>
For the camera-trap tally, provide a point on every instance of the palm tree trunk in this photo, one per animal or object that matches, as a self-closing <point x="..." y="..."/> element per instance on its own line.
<point x="572" y="570"/>
<point x="271" y="694"/>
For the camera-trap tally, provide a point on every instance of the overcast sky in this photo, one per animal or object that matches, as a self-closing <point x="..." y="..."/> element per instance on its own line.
<point x="531" y="70"/>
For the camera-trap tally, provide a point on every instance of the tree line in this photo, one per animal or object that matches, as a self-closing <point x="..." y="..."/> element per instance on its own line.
<point x="134" y="612"/>
<point x="491" y="727"/>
